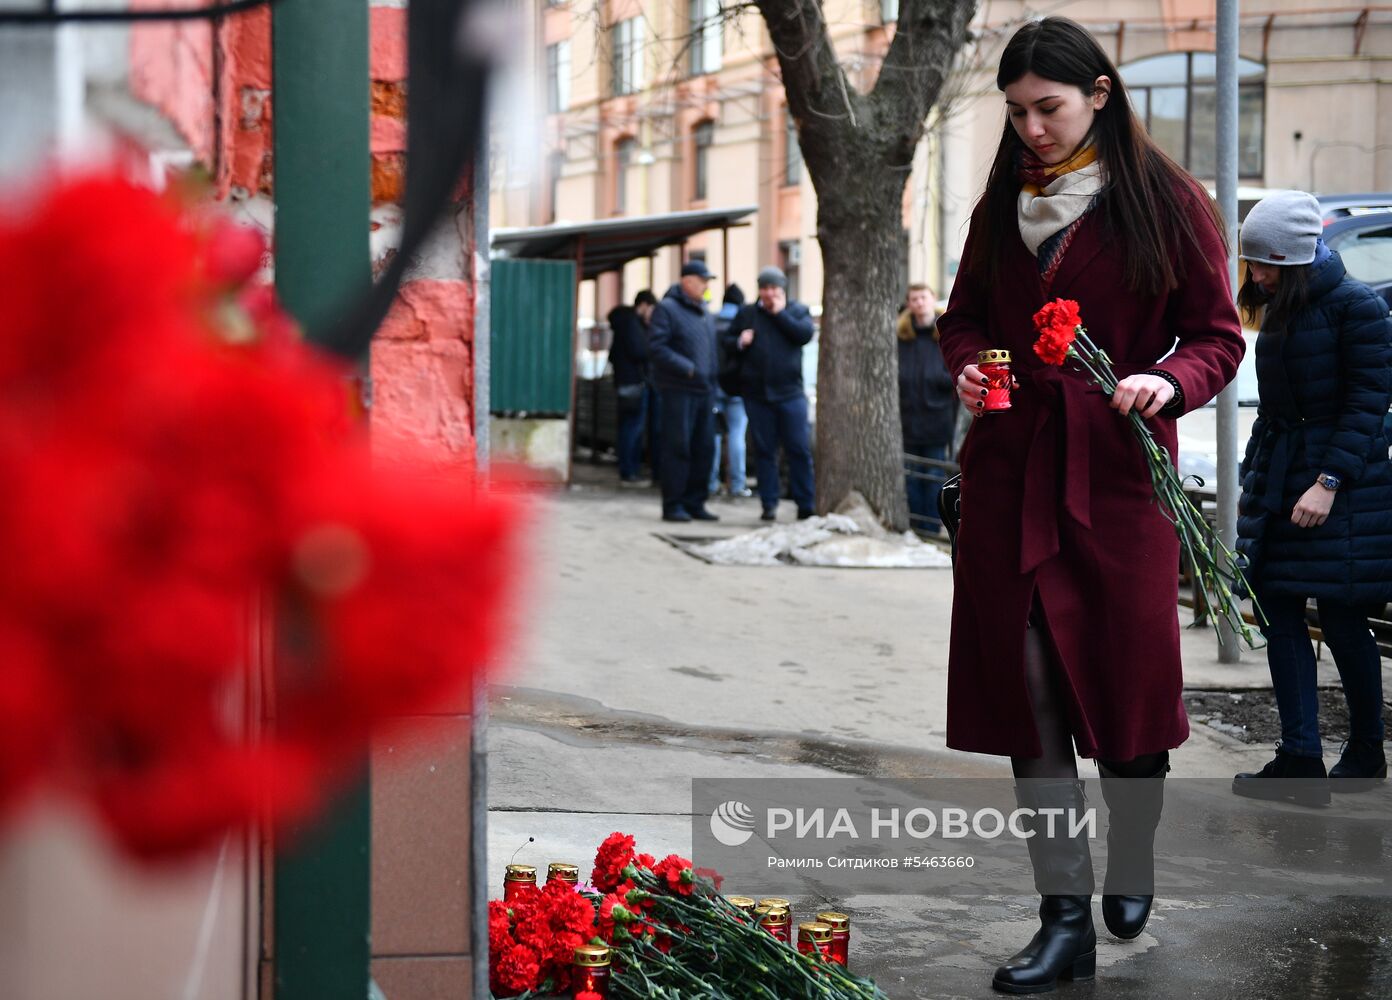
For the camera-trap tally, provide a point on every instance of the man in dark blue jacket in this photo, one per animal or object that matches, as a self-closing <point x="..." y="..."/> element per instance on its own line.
<point x="683" y="356"/>
<point x="628" y="353"/>
<point x="770" y="335"/>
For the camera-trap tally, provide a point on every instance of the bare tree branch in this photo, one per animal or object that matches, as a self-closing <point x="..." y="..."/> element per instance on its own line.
<point x="818" y="94"/>
<point x="927" y="38"/>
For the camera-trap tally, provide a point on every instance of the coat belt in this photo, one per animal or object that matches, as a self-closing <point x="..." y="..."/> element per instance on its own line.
<point x="1279" y="432"/>
<point x="1060" y="447"/>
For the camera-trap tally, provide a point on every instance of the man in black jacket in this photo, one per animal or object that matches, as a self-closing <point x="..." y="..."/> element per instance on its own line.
<point x="683" y="354"/>
<point x="628" y="353"/>
<point x="770" y="335"/>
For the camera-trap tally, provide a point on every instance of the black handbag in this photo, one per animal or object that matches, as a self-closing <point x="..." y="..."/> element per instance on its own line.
<point x="950" y="509"/>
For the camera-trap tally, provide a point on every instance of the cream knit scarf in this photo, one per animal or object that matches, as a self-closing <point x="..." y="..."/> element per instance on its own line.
<point x="1062" y="200"/>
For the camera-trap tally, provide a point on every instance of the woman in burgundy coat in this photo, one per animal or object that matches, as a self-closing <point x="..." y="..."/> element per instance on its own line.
<point x="1065" y="628"/>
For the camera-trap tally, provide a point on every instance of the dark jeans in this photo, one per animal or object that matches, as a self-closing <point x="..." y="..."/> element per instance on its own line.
<point x="688" y="448"/>
<point x="923" y="492"/>
<point x="783" y="423"/>
<point x="1291" y="657"/>
<point x="633" y="419"/>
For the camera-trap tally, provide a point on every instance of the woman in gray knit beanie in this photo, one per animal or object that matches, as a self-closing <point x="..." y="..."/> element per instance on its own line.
<point x="1316" y="508"/>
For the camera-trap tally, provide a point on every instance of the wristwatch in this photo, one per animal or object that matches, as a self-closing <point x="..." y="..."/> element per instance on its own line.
<point x="1329" y="482"/>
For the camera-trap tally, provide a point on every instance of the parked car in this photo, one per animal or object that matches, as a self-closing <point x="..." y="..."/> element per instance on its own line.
<point x="1343" y="206"/>
<point x="1365" y="244"/>
<point x="1198" y="429"/>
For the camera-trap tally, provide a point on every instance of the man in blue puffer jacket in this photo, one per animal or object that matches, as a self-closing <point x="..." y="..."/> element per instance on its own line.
<point x="681" y="348"/>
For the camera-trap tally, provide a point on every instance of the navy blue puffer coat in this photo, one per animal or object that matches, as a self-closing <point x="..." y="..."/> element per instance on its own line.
<point x="1324" y="385"/>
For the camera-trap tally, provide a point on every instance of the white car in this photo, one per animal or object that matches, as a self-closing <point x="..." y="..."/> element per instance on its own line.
<point x="1198" y="430"/>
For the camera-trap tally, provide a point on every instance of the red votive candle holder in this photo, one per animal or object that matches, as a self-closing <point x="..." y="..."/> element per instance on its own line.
<point x="814" y="938"/>
<point x="840" y="925"/>
<point x="515" y="877"/>
<point x="590" y="970"/>
<point x="776" y="920"/>
<point x="995" y="368"/>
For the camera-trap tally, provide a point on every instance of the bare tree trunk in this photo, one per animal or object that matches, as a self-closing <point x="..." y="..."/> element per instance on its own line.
<point x="859" y="440"/>
<point x="858" y="149"/>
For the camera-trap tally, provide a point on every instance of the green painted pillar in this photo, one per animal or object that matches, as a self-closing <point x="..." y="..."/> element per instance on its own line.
<point x="321" y="892"/>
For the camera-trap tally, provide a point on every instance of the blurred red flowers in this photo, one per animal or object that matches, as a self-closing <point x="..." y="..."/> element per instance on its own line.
<point x="181" y="472"/>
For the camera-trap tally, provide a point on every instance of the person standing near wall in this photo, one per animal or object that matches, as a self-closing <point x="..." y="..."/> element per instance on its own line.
<point x="683" y="353"/>
<point x="729" y="407"/>
<point x="770" y="334"/>
<point x="628" y="354"/>
<point x="927" y="405"/>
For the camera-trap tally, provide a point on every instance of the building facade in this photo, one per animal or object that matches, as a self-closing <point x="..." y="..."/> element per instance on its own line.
<point x="641" y="107"/>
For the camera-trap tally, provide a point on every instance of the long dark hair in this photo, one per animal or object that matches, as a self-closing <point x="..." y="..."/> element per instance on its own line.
<point x="1275" y="309"/>
<point x="1142" y="183"/>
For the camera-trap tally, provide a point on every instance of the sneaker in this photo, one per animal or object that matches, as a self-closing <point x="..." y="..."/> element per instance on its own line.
<point x="1362" y="766"/>
<point x="679" y="516"/>
<point x="635" y="483"/>
<point x="803" y="515"/>
<point x="1288" y="778"/>
<point x="743" y="494"/>
<point x="703" y="515"/>
<point x="769" y="514"/>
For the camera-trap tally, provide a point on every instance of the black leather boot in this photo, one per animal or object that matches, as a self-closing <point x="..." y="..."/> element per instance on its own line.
<point x="1288" y="778"/>
<point x="1362" y="766"/>
<point x="1133" y="806"/>
<point x="1065" y="946"/>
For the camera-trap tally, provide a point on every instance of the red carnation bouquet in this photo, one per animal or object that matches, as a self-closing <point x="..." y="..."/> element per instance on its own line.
<point x="670" y="934"/>
<point x="190" y="516"/>
<point x="1062" y="336"/>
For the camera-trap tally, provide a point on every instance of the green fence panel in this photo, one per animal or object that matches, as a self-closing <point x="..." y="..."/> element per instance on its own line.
<point x="532" y="336"/>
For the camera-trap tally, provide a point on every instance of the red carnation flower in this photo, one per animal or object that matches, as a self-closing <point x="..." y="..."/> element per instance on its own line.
<point x="588" y="995"/>
<point x="613" y="856"/>
<point x="716" y="879"/>
<point x="676" y="872"/>
<point x="518" y="970"/>
<point x="1057" y="323"/>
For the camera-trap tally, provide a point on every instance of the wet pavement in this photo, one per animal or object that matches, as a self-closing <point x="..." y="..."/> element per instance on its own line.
<point x="643" y="669"/>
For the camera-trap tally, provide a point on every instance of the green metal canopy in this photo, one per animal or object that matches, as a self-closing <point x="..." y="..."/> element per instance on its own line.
<point x="609" y="244"/>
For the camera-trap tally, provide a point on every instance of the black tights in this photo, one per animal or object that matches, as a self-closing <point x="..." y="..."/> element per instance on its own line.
<point x="1057" y="760"/>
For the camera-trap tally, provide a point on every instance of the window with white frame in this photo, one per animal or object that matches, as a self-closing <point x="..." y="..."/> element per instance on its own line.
<point x="626" y="54"/>
<point x="558" y="77"/>
<point x="1175" y="96"/>
<point x="707" y="36"/>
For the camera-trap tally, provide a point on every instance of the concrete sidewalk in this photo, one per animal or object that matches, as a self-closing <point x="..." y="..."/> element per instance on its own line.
<point x="641" y="667"/>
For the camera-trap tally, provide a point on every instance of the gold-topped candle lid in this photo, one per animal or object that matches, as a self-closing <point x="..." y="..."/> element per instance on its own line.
<point x="837" y="921"/>
<point x="773" y="914"/>
<point x="744" y="903"/>
<point x="563" y="871"/>
<point x="591" y="956"/>
<point x="520" y="873"/>
<point x="776" y="901"/>
<point x="814" y="931"/>
<point x="994" y="356"/>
